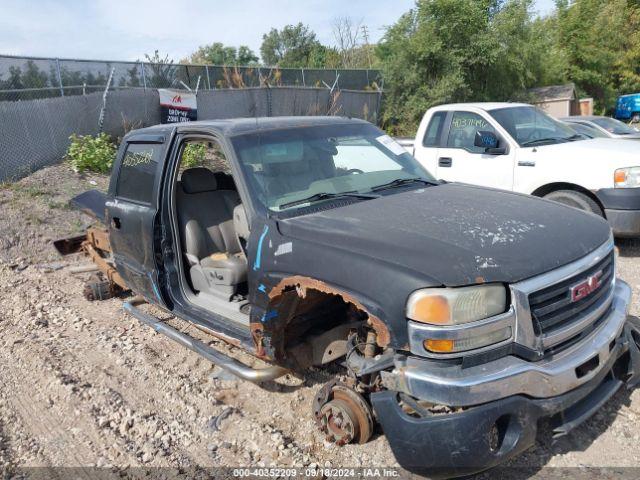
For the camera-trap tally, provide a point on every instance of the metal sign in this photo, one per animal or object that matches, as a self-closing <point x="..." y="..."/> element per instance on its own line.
<point x="177" y="106"/>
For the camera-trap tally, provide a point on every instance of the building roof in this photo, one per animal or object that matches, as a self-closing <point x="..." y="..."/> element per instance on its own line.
<point x="553" y="93"/>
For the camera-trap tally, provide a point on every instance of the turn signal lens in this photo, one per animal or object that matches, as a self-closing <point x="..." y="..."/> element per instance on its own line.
<point x="627" y="177"/>
<point x="455" y="306"/>
<point x="435" y="308"/>
<point x="463" y="344"/>
<point x="438" y="346"/>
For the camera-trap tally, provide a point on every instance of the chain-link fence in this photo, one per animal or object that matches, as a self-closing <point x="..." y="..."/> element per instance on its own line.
<point x="35" y="132"/>
<point x="26" y="78"/>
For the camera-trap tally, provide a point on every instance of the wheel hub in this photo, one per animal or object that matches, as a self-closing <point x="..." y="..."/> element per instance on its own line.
<point x="342" y="414"/>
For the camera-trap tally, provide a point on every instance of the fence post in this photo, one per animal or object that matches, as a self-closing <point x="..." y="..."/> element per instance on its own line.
<point x="59" y="75"/>
<point x="269" y="101"/>
<point x="206" y="69"/>
<point x="104" y="101"/>
<point x="379" y="106"/>
<point x="304" y="84"/>
<point x="144" y="76"/>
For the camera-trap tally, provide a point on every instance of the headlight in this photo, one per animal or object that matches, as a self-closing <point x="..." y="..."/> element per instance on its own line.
<point x="454" y="306"/>
<point x="627" y="177"/>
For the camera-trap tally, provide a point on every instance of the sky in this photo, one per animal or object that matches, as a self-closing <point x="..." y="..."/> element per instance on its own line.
<point x="127" y="29"/>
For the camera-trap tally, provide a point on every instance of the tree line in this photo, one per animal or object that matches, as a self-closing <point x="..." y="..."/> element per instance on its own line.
<point x="297" y="46"/>
<point x="470" y="50"/>
<point x="489" y="50"/>
<point x="440" y="51"/>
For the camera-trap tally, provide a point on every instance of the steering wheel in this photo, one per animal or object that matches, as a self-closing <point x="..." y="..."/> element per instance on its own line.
<point x="351" y="171"/>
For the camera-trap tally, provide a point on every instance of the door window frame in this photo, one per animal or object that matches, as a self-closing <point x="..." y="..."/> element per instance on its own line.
<point x="445" y="126"/>
<point x="502" y="139"/>
<point x="158" y="140"/>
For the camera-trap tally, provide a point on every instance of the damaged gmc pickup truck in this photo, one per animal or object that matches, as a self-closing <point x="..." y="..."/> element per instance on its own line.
<point x="457" y="317"/>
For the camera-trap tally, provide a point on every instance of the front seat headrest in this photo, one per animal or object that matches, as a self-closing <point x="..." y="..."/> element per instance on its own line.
<point x="224" y="181"/>
<point x="198" y="180"/>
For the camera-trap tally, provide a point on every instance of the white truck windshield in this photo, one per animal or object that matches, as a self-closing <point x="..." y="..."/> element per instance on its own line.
<point x="530" y="126"/>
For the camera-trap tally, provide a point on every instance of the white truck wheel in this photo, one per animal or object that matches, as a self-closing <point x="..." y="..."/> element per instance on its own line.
<point x="576" y="200"/>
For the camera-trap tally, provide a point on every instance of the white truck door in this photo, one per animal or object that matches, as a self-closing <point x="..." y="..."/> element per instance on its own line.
<point x="428" y="139"/>
<point x="460" y="161"/>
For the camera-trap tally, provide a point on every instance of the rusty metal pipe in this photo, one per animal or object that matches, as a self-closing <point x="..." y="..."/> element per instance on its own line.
<point x="218" y="358"/>
<point x="84" y="269"/>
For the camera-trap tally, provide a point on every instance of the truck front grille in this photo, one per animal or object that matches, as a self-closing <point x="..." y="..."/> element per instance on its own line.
<point x="553" y="308"/>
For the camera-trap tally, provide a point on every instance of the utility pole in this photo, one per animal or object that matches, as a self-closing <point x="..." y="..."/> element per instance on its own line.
<point x="365" y="34"/>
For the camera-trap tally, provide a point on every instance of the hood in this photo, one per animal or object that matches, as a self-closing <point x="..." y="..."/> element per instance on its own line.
<point x="455" y="234"/>
<point x="622" y="154"/>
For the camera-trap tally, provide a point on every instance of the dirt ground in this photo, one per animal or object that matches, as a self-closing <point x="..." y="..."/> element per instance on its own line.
<point x="84" y="385"/>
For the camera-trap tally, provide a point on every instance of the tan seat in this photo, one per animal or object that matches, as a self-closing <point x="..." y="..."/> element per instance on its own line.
<point x="210" y="244"/>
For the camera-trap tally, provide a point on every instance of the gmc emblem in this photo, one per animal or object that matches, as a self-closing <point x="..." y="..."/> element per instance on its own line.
<point x="586" y="287"/>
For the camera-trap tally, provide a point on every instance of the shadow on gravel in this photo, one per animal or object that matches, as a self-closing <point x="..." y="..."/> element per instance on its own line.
<point x="531" y="462"/>
<point x="628" y="247"/>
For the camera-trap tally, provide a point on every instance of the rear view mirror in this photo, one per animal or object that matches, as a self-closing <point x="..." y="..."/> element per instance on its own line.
<point x="489" y="141"/>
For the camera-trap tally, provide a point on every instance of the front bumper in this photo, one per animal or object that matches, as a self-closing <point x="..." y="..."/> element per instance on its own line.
<point x="510" y="375"/>
<point x="509" y="401"/>
<point x="624" y="223"/>
<point x="622" y="209"/>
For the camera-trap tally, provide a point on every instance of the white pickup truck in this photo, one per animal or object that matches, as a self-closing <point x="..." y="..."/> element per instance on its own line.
<point x="518" y="147"/>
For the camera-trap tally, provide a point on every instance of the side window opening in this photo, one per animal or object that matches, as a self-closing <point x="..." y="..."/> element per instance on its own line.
<point x="137" y="173"/>
<point x="207" y="154"/>
<point x="434" y="130"/>
<point x="210" y="223"/>
<point x="464" y="126"/>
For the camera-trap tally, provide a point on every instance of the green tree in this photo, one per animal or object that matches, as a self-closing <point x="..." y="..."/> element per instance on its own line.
<point x="246" y="56"/>
<point x="458" y="50"/>
<point x="324" y="57"/>
<point x="601" y="44"/>
<point x="163" y="71"/>
<point x="293" y="46"/>
<point x="218" y="54"/>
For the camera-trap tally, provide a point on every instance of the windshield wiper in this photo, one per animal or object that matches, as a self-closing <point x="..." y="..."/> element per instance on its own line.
<point x="325" y="196"/>
<point x="398" y="182"/>
<point x="577" y="136"/>
<point x="543" y="140"/>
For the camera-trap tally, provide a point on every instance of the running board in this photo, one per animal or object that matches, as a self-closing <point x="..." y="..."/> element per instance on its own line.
<point x="218" y="358"/>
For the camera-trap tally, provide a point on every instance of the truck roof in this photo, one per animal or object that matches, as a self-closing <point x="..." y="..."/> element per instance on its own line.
<point x="240" y="126"/>
<point x="480" y="105"/>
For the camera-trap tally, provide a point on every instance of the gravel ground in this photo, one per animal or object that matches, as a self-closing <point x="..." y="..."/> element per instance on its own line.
<point x="83" y="385"/>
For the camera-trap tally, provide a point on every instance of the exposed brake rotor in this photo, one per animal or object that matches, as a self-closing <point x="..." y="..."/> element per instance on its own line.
<point x="342" y="414"/>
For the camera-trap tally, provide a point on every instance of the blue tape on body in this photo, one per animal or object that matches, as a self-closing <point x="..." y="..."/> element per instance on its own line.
<point x="256" y="264"/>
<point x="155" y="288"/>
<point x="262" y="288"/>
<point x="269" y="315"/>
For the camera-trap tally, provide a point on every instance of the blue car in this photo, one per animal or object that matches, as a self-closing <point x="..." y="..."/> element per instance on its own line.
<point x="628" y="107"/>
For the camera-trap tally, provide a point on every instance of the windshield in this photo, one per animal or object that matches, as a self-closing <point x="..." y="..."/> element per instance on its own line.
<point x="530" y="126"/>
<point x="614" y="126"/>
<point x="291" y="168"/>
<point x="586" y="130"/>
